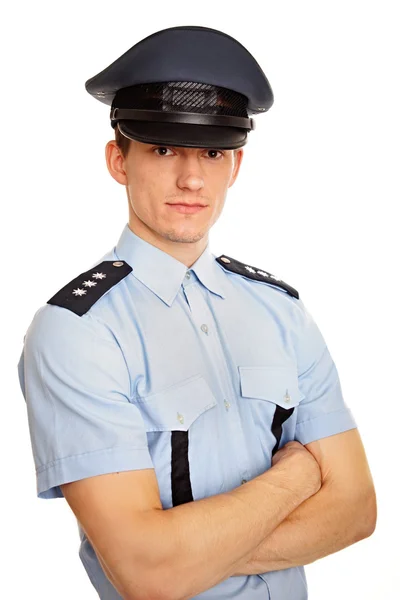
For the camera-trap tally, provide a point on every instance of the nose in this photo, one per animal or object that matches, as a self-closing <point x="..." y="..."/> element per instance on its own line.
<point x="190" y="175"/>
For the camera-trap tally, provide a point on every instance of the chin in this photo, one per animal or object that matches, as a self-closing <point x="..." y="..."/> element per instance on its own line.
<point x="188" y="237"/>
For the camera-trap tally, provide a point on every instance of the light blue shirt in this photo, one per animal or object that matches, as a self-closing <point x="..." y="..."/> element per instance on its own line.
<point x="198" y="373"/>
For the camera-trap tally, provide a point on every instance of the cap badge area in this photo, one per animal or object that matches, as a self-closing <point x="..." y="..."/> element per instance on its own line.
<point x="81" y="293"/>
<point x="231" y="264"/>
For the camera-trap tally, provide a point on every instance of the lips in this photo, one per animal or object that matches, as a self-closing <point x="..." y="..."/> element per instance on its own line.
<point x="184" y="204"/>
<point x="187" y="208"/>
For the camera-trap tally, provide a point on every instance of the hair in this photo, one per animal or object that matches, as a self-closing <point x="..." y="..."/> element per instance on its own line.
<point x="123" y="142"/>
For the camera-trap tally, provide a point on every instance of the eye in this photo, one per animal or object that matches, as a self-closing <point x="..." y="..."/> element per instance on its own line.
<point x="212" y="153"/>
<point x="162" y="150"/>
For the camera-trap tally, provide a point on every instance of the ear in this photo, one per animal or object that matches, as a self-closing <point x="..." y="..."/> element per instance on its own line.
<point x="115" y="162"/>
<point x="238" y="157"/>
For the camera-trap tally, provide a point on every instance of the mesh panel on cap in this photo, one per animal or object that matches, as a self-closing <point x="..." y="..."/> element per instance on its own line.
<point x="182" y="96"/>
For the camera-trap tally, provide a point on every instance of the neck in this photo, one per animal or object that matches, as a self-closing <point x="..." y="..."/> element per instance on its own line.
<point x="185" y="252"/>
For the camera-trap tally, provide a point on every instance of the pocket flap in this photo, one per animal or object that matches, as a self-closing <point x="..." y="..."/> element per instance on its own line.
<point x="177" y="407"/>
<point x="276" y="384"/>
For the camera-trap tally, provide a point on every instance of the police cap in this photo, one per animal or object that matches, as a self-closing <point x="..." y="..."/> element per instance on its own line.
<point x="184" y="86"/>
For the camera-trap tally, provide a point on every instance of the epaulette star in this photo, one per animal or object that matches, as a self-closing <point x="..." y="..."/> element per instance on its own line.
<point x="231" y="264"/>
<point x="81" y="293"/>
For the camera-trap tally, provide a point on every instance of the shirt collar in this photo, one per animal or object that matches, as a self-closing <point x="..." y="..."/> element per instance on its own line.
<point x="162" y="273"/>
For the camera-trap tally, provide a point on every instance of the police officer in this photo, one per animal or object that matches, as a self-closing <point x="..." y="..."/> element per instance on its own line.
<point x="164" y="377"/>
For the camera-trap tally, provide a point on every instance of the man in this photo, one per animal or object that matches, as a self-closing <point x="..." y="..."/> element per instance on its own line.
<point x="185" y="405"/>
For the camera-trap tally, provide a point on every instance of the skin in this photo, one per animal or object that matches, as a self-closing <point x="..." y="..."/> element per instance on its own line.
<point x="155" y="175"/>
<point x="341" y="513"/>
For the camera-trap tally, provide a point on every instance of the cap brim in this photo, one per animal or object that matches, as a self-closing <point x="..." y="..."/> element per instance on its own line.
<point x="186" y="135"/>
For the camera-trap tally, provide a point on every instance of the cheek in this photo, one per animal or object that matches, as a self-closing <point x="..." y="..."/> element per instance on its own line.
<point x="147" y="191"/>
<point x="143" y="182"/>
<point x="156" y="180"/>
<point x="220" y="178"/>
<point x="219" y="186"/>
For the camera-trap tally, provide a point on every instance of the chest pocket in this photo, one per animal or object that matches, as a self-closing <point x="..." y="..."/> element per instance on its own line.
<point x="178" y="410"/>
<point x="278" y="392"/>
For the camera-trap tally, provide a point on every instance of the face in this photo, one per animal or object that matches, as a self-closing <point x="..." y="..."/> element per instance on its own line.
<point x="160" y="180"/>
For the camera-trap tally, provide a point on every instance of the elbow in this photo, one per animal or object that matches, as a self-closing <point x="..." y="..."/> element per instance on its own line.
<point x="148" y="593"/>
<point x="147" y="570"/>
<point x="151" y="584"/>
<point x="367" y="516"/>
<point x="162" y="585"/>
<point x="156" y="579"/>
<point x="371" y="525"/>
<point x="153" y="588"/>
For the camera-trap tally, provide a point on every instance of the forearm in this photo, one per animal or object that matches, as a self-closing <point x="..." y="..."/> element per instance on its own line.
<point x="201" y="543"/>
<point x="323" y="524"/>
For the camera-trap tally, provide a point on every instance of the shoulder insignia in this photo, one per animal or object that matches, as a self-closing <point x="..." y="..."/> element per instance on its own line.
<point x="81" y="293"/>
<point x="230" y="264"/>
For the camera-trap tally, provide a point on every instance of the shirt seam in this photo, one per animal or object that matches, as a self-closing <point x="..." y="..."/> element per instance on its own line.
<point x="102" y="323"/>
<point x="53" y="462"/>
<point x="332" y="412"/>
<point x="49" y="397"/>
<point x="312" y="366"/>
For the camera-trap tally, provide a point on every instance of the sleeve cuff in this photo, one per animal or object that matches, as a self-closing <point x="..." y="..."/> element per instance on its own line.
<point x="109" y="460"/>
<point x="324" y="426"/>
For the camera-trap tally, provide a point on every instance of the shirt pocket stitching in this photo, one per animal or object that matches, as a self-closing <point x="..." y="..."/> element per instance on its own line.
<point x="177" y="407"/>
<point x="276" y="384"/>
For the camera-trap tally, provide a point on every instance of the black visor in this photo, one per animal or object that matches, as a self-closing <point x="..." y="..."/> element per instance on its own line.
<point x="182" y="114"/>
<point x="179" y="134"/>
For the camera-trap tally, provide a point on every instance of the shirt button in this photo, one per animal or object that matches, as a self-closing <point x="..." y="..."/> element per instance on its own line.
<point x="244" y="481"/>
<point x="187" y="275"/>
<point x="227" y="405"/>
<point x="287" y="397"/>
<point x="204" y="328"/>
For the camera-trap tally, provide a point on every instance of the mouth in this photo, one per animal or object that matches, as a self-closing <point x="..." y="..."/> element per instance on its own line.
<point x="187" y="208"/>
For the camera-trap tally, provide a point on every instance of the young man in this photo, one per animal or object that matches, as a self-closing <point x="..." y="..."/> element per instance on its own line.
<point x="186" y="405"/>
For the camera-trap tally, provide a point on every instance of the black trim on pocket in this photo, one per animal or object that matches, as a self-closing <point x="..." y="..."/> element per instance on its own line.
<point x="180" y="475"/>
<point x="280" y="416"/>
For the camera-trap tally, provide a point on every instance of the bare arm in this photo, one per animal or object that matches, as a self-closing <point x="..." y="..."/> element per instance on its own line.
<point x="150" y="553"/>
<point x="342" y="513"/>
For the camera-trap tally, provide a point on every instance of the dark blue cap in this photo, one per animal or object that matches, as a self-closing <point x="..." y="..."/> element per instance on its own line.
<point x="184" y="86"/>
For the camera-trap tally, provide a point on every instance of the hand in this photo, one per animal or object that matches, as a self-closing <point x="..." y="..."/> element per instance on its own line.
<point x="296" y="461"/>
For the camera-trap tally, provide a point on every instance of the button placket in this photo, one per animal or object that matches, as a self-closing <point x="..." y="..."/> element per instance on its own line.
<point x="191" y="292"/>
<point x="237" y="433"/>
<point x="188" y="288"/>
<point x="203" y="317"/>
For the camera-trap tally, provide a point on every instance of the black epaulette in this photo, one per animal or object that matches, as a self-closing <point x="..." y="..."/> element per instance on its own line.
<point x="82" y="292"/>
<point x="230" y="264"/>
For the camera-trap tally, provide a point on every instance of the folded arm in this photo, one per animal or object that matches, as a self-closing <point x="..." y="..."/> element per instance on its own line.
<point x="341" y="513"/>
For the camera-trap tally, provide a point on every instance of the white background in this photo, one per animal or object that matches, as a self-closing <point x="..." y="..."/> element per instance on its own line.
<point x="315" y="204"/>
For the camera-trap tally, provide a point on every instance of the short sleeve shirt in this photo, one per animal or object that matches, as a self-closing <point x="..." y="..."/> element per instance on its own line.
<point x="199" y="373"/>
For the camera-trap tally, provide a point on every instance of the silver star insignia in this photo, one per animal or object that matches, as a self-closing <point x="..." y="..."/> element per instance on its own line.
<point x="89" y="283"/>
<point x="79" y="292"/>
<point x="98" y="275"/>
<point x="250" y="269"/>
<point x="268" y="275"/>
